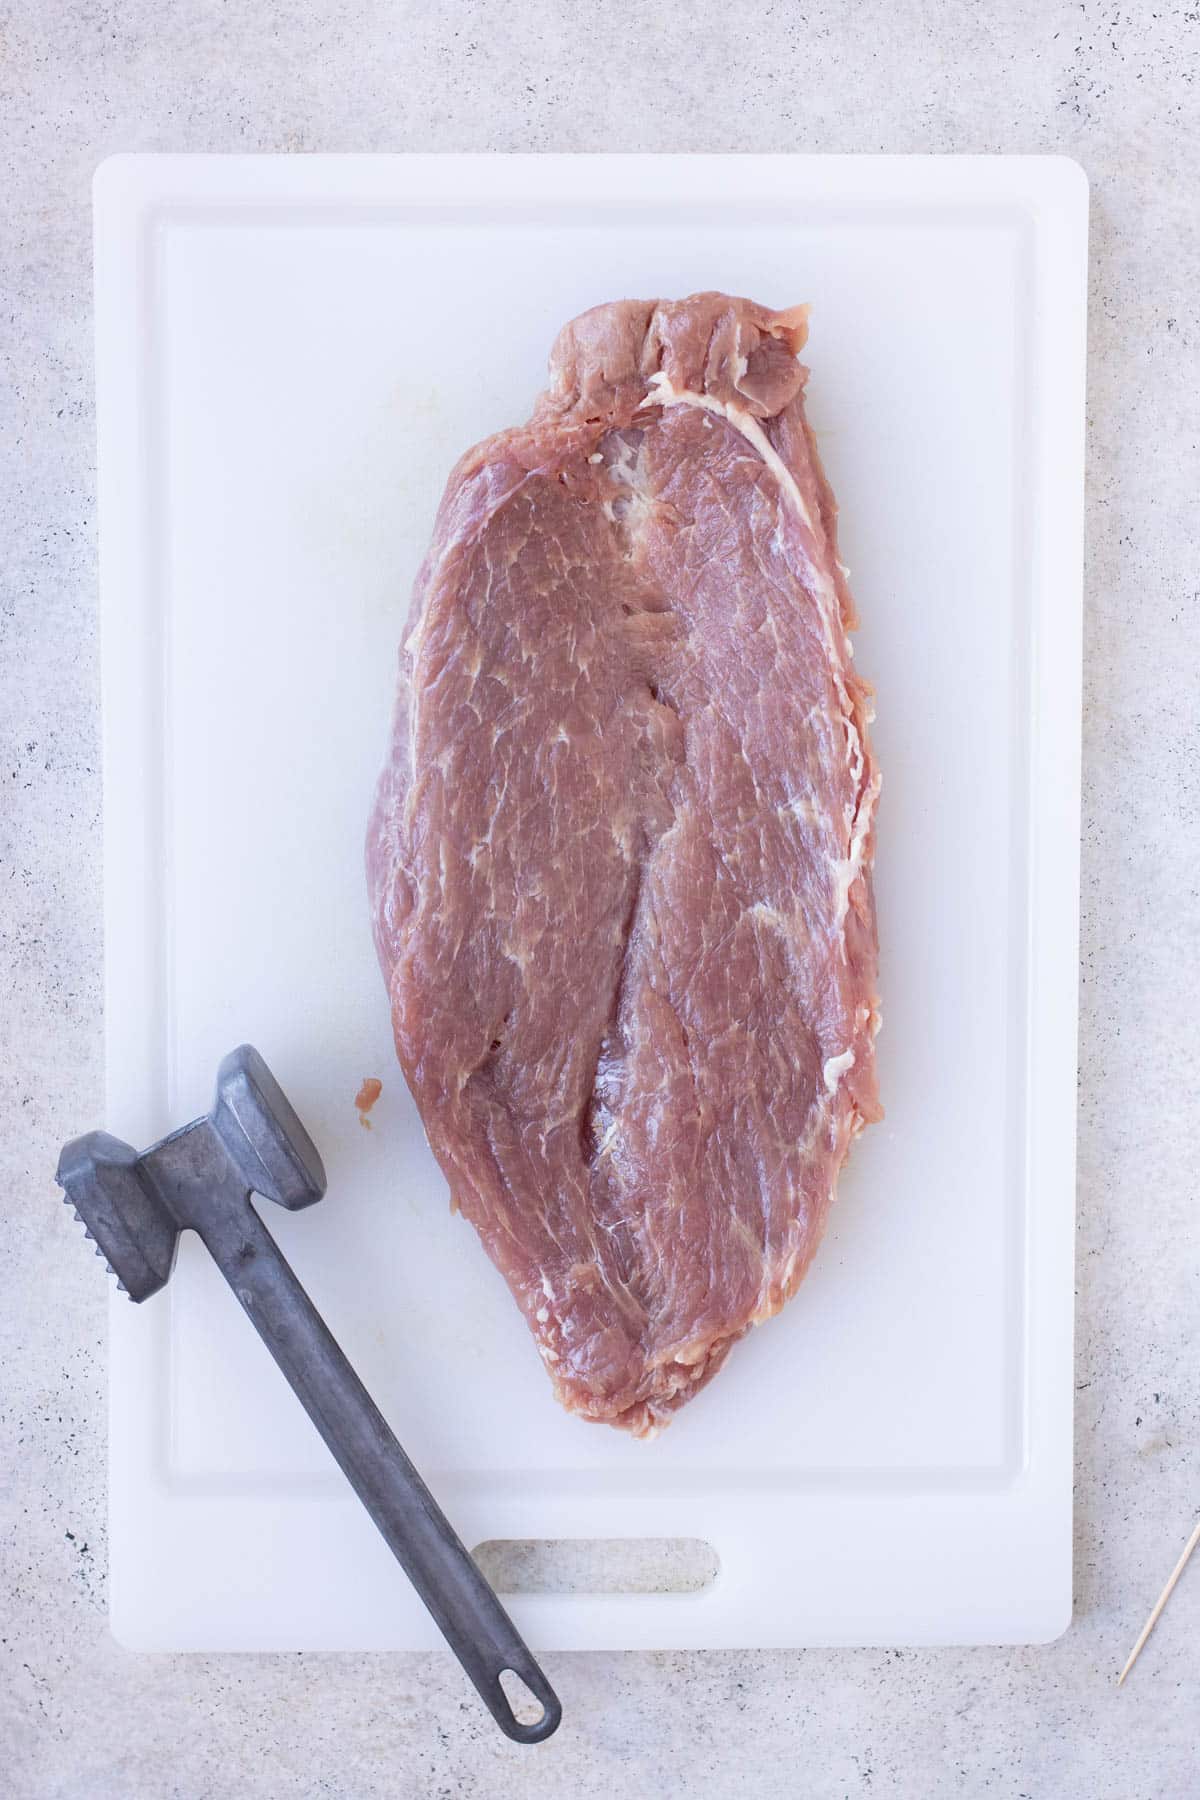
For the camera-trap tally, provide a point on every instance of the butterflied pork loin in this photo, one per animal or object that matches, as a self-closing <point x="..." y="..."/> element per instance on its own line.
<point x="620" y="853"/>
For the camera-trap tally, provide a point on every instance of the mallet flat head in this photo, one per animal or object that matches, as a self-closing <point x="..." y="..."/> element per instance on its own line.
<point x="265" y="1140"/>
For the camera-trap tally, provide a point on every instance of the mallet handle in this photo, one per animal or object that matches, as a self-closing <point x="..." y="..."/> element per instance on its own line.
<point x="471" y="1618"/>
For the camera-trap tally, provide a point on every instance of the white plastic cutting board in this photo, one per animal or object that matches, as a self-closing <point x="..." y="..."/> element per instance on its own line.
<point x="292" y="351"/>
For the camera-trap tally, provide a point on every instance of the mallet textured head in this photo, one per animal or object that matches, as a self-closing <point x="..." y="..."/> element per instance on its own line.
<point x="133" y="1230"/>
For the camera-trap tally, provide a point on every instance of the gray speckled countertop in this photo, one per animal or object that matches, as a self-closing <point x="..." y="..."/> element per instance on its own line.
<point x="1115" y="86"/>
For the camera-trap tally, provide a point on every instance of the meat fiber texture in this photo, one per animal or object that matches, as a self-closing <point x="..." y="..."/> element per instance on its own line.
<point x="620" y="854"/>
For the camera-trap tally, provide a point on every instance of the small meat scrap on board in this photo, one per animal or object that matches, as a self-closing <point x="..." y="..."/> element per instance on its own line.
<point x="366" y="1097"/>
<point x="620" y="856"/>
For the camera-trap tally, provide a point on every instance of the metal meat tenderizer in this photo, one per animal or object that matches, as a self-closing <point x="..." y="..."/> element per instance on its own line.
<point x="201" y="1178"/>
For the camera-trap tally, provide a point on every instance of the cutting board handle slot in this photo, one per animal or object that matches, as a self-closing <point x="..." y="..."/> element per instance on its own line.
<point x="598" y="1565"/>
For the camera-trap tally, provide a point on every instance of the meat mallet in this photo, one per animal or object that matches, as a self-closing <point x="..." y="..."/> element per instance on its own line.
<point x="201" y="1178"/>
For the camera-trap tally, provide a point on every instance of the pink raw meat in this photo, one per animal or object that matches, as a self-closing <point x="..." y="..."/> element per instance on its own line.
<point x="620" y="854"/>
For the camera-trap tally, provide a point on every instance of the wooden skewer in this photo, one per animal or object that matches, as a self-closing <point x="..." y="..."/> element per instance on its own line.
<point x="1152" y="1621"/>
